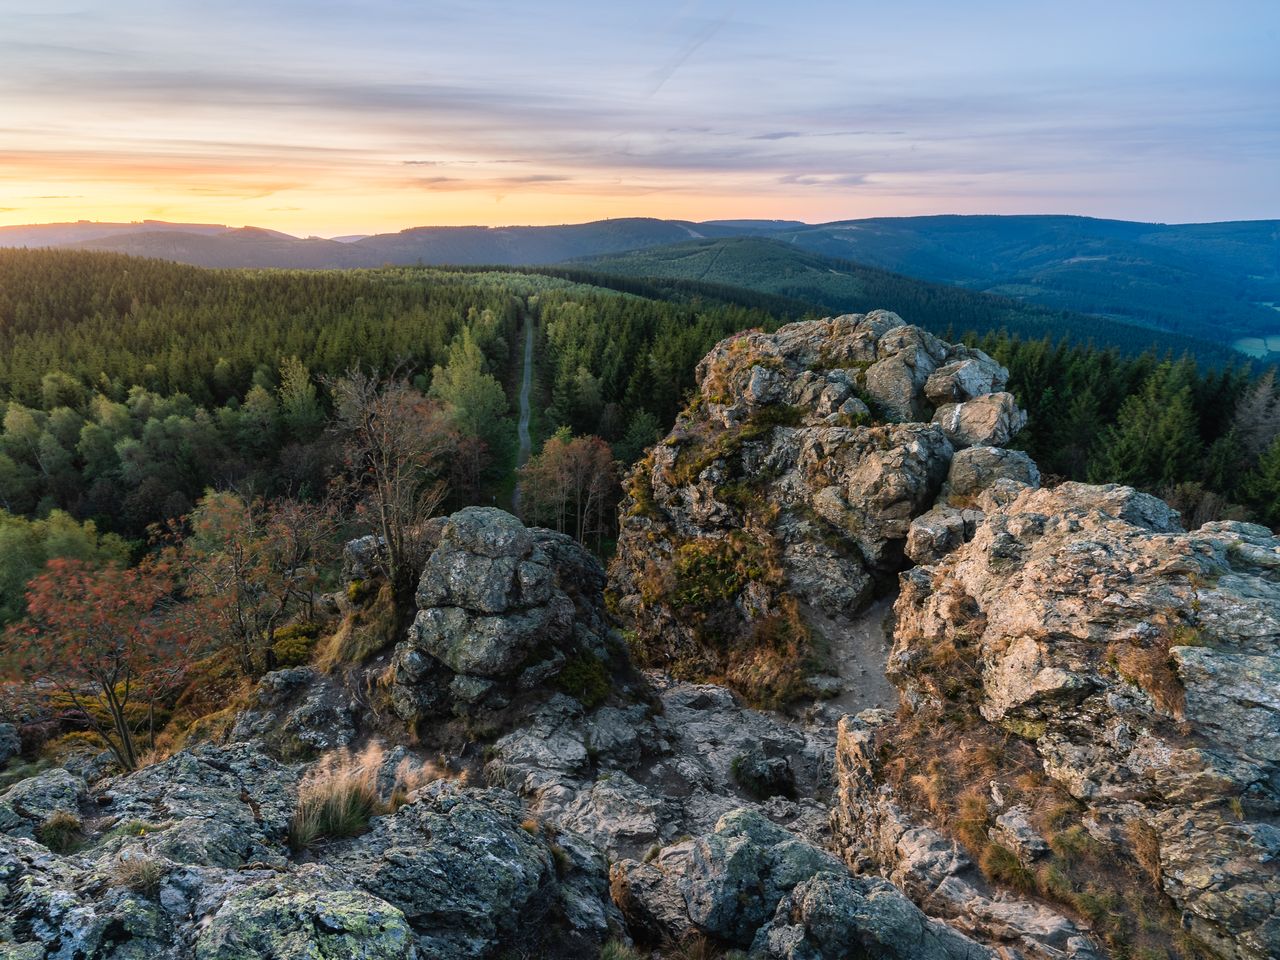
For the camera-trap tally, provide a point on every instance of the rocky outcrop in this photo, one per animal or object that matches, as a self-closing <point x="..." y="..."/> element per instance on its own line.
<point x="792" y="482"/>
<point x="190" y="858"/>
<point x="877" y="836"/>
<point x="502" y="610"/>
<point x="753" y="885"/>
<point x="1136" y="665"/>
<point x="631" y="777"/>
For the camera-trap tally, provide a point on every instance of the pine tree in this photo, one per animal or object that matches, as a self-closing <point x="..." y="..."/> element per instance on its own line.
<point x="1262" y="486"/>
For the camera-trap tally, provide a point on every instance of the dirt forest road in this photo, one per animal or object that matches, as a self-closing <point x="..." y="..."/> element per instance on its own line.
<point x="522" y="428"/>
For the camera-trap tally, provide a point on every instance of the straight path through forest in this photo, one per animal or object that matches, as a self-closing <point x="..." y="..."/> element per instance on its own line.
<point x="522" y="428"/>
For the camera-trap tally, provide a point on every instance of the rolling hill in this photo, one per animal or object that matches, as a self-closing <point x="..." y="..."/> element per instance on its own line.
<point x="1213" y="281"/>
<point x="781" y="270"/>
<point x="1218" y="281"/>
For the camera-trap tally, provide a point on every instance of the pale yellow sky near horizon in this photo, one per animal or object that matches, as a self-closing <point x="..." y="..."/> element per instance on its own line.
<point x="345" y="117"/>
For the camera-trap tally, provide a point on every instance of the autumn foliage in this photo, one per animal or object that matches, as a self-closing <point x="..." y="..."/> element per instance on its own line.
<point x="108" y="641"/>
<point x="572" y="486"/>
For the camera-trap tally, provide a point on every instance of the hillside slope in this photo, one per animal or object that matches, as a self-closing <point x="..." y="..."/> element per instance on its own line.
<point x="778" y="268"/>
<point x="1212" y="280"/>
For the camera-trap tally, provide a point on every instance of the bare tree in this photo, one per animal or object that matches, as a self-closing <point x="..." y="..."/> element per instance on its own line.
<point x="1257" y="417"/>
<point x="397" y="448"/>
<point x="252" y="564"/>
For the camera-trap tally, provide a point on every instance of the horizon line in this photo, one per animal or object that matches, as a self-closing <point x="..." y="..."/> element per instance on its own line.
<point x="335" y="234"/>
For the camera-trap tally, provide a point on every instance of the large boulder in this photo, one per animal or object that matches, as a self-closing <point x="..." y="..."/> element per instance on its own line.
<point x="1132" y="672"/>
<point x="753" y="885"/>
<point x="502" y="609"/>
<point x="26" y="805"/>
<point x="789" y="487"/>
<point x="473" y="875"/>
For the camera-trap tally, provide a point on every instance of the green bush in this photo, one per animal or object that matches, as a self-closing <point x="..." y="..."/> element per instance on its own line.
<point x="292" y="645"/>
<point x="585" y="678"/>
<point x="62" y="832"/>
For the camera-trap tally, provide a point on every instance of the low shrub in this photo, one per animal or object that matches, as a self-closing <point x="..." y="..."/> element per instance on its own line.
<point x="586" y="679"/>
<point x="1001" y="865"/>
<point x="341" y="793"/>
<point x="291" y="646"/>
<point x="61" y="832"/>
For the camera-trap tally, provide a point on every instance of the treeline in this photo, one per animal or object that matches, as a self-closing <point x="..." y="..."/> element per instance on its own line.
<point x="128" y="387"/>
<point x="1206" y="441"/>
<point x="621" y="367"/>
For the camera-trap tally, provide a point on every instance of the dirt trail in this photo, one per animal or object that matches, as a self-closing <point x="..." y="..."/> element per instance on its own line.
<point x="857" y="650"/>
<point x="522" y="428"/>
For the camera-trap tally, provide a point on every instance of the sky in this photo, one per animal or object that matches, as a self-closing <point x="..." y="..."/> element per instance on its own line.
<point x="320" y="117"/>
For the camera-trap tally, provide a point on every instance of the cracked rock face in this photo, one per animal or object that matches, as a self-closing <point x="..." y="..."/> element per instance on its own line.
<point x="501" y="609"/>
<point x="751" y="884"/>
<point x="1142" y="665"/>
<point x="454" y="873"/>
<point x="802" y="464"/>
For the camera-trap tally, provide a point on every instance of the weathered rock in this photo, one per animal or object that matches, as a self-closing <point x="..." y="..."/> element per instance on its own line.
<point x="795" y="478"/>
<point x="1140" y="662"/>
<point x="360" y="558"/>
<point x="502" y="609"/>
<point x="465" y="873"/>
<point x="56" y="908"/>
<point x="29" y="803"/>
<point x="298" y="713"/>
<point x="974" y="469"/>
<point x="211" y="806"/>
<point x="835" y="916"/>
<point x="984" y="421"/>
<point x="875" y="836"/>
<point x="628" y="778"/>
<point x="934" y="534"/>
<point x="276" y="919"/>
<point x="754" y="885"/>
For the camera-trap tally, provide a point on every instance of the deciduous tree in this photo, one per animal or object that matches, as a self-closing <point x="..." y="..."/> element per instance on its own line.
<point x="106" y="639"/>
<point x="397" y="447"/>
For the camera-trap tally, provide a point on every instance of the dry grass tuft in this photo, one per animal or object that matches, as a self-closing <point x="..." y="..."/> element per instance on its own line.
<point x="616" y="950"/>
<point x="1151" y="668"/>
<point x="361" y="634"/>
<point x="140" y="873"/>
<point x="1146" y="849"/>
<point x="341" y="793"/>
<point x="61" y="832"/>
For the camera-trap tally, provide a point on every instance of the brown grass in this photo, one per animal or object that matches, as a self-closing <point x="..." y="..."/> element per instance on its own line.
<point x="340" y="794"/>
<point x="1146" y="849"/>
<point x="361" y="634"/>
<point x="139" y="873"/>
<point x="941" y="758"/>
<point x="1152" y="669"/>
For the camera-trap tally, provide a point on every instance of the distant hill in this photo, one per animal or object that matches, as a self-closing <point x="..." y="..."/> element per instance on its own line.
<point x="1218" y="281"/>
<point x="781" y="270"/>
<point x="248" y="246"/>
<point x="1212" y="281"/>
<point x="66" y="234"/>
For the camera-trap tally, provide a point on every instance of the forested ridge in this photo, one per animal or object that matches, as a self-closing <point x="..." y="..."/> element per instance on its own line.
<point x="129" y="387"/>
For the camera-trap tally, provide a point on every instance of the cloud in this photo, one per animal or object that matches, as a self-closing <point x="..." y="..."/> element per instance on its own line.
<point x="825" y="180"/>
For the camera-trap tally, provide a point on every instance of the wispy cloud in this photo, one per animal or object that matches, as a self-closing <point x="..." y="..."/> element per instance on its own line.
<point x="812" y="109"/>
